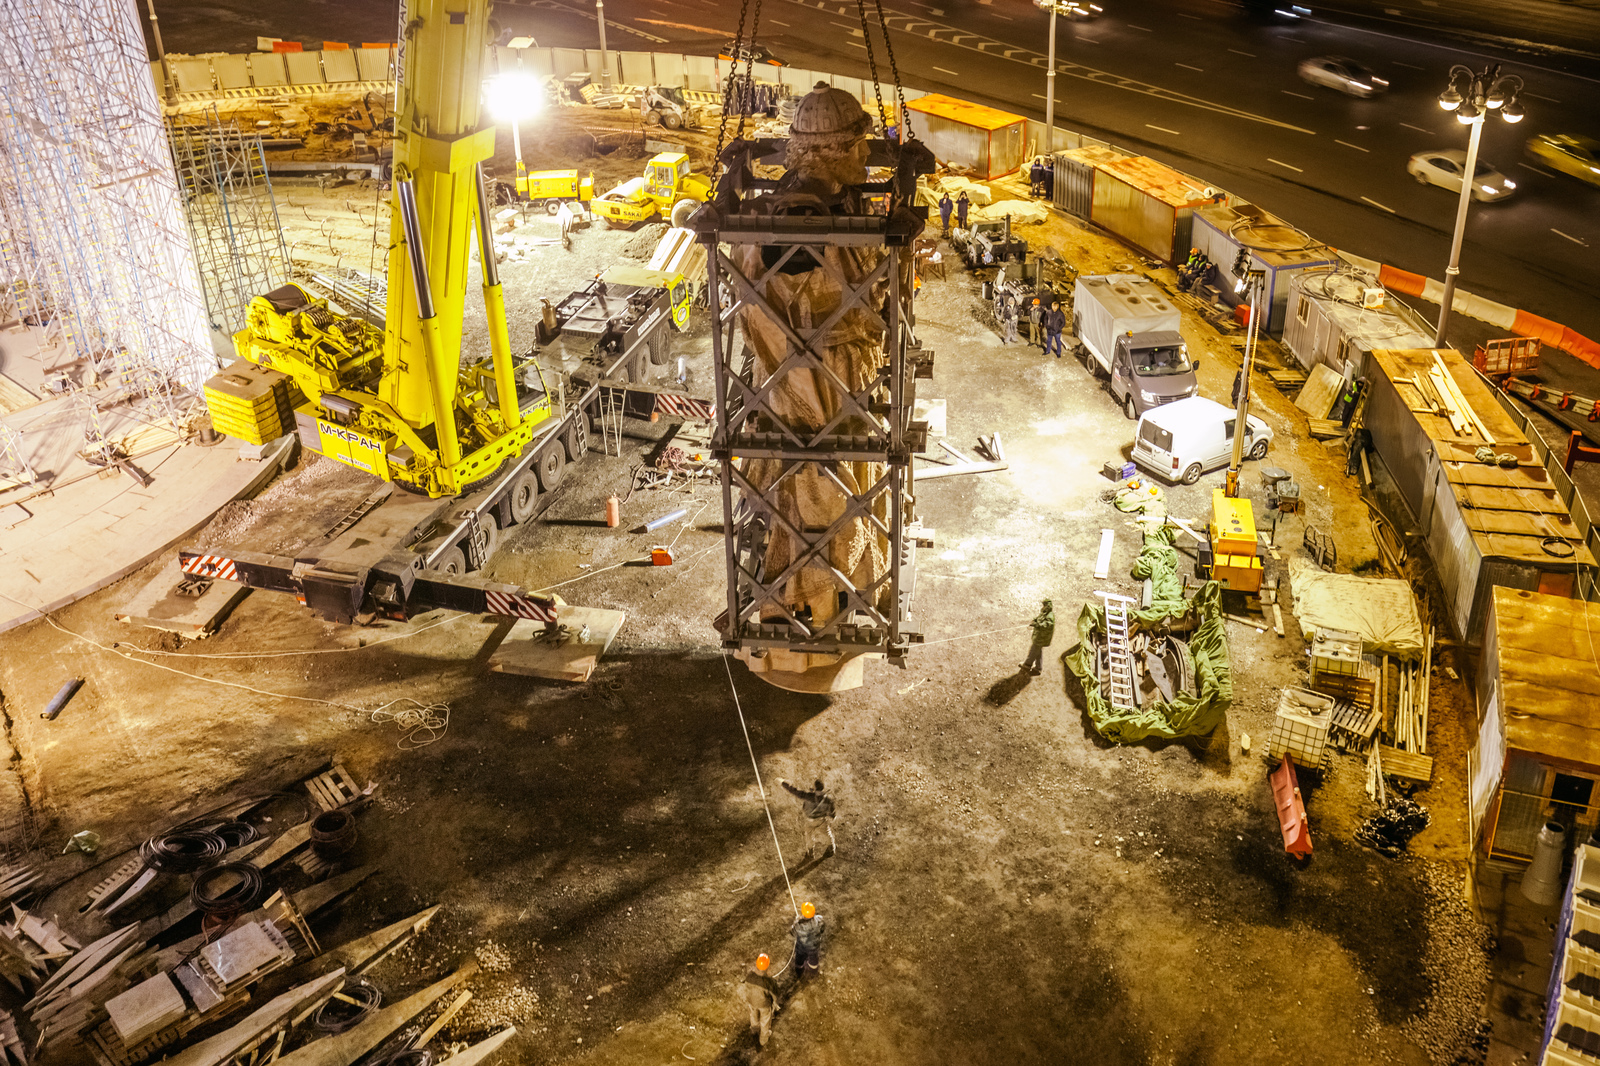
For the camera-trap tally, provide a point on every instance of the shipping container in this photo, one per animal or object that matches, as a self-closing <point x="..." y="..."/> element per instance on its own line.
<point x="983" y="140"/>
<point x="1275" y="248"/>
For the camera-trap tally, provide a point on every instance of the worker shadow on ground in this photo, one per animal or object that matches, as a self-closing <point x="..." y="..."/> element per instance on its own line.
<point x="1007" y="688"/>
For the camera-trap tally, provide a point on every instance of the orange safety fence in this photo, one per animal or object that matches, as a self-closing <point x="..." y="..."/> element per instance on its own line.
<point x="1401" y="280"/>
<point x="287" y="46"/>
<point x="1557" y="336"/>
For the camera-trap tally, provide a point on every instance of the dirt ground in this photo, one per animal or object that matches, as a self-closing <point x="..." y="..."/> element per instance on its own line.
<point x="1008" y="887"/>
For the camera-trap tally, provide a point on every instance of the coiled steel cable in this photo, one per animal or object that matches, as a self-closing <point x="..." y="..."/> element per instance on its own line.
<point x="182" y="852"/>
<point x="335" y="1016"/>
<point x="238" y="896"/>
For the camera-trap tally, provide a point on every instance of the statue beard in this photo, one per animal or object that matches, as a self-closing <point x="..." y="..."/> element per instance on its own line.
<point x="837" y="165"/>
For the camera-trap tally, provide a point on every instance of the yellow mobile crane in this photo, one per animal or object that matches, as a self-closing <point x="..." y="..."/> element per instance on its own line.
<point x="397" y="403"/>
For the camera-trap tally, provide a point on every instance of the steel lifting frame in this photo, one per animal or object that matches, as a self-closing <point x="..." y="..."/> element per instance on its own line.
<point x="748" y="427"/>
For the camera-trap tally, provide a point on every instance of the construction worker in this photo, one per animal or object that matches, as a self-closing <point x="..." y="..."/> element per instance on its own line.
<point x="1193" y="270"/>
<point x="807" y="930"/>
<point x="1055" y="320"/>
<point x="1044" y="633"/>
<point x="1035" y="321"/>
<point x="1008" y="318"/>
<point x="946" y="205"/>
<point x="963" y="204"/>
<point x="816" y="815"/>
<point x="759" y="992"/>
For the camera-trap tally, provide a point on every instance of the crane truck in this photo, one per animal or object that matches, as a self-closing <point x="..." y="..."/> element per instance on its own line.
<point x="458" y="448"/>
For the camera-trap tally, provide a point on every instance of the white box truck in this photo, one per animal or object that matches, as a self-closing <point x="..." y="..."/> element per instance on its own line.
<point x="1127" y="327"/>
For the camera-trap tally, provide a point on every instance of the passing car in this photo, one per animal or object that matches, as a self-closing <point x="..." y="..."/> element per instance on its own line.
<point x="737" y="52"/>
<point x="1082" y="10"/>
<point x="1444" y="167"/>
<point x="1569" y="153"/>
<point x="1343" y="75"/>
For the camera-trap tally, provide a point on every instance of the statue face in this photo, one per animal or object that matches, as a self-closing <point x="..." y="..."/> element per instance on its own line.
<point x="858" y="162"/>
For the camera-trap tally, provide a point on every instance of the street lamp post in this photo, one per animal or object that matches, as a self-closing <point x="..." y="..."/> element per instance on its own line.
<point x="605" y="57"/>
<point x="1054" y="8"/>
<point x="1472" y="96"/>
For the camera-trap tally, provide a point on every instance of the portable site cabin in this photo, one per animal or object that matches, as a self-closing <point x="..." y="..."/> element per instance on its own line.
<point x="1485" y="525"/>
<point x="1325" y="322"/>
<point x="981" y="139"/>
<point x="1075" y="170"/>
<point x="1149" y="205"/>
<point x="1537" y="757"/>
<point x="1274" y="247"/>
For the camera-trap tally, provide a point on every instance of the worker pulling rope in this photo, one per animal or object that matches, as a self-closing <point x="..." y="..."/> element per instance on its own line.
<point x="762" y="788"/>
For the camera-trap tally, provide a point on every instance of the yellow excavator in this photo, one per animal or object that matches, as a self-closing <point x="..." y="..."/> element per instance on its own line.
<point x="397" y="402"/>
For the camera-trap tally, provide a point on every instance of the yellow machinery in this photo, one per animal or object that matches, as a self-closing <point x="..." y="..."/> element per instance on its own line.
<point x="553" y="187"/>
<point x="399" y="403"/>
<point x="680" y="296"/>
<point x="1236" y="555"/>
<point x="667" y="188"/>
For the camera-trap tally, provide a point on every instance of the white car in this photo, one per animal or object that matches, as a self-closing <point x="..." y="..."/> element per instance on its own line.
<point x="1444" y="168"/>
<point x="1345" y="75"/>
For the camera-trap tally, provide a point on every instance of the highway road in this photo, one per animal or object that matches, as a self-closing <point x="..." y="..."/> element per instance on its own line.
<point x="1190" y="82"/>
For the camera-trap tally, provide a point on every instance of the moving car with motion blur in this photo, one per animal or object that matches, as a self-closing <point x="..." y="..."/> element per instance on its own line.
<point x="1444" y="167"/>
<point x="1342" y="75"/>
<point x="1569" y="153"/>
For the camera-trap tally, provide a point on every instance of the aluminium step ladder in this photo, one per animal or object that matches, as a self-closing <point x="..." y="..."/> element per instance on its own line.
<point x="1119" y="660"/>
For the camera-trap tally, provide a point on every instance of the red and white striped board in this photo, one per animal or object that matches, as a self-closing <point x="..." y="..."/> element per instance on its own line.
<point x="519" y="605"/>
<point x="669" y="403"/>
<point x="209" y="566"/>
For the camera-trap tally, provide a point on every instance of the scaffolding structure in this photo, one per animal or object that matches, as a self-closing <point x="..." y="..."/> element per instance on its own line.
<point x="233" y="219"/>
<point x="93" y="244"/>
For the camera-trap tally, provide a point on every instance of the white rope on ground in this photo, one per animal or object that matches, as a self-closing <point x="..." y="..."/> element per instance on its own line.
<point x="763" y="788"/>
<point x="969" y="636"/>
<point x="428" y="721"/>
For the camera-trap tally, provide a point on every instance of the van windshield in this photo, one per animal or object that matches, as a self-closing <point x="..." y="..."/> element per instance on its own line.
<point x="1163" y="361"/>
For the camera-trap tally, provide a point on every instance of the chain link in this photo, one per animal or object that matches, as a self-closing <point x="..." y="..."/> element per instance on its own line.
<point x="727" y="96"/>
<point x="872" y="59"/>
<point x="894" y="69"/>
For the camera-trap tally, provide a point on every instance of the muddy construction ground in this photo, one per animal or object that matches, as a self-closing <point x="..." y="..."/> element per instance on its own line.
<point x="1008" y="887"/>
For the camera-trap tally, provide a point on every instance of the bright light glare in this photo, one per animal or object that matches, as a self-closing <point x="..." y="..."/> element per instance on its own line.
<point x="514" y="95"/>
<point x="1510" y="184"/>
<point x="1488" y="189"/>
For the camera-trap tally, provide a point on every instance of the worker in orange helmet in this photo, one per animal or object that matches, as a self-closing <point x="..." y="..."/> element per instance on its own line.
<point x="759" y="992"/>
<point x="807" y="930"/>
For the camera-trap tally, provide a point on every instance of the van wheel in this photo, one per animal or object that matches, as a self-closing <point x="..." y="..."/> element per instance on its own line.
<point x="1191" y="475"/>
<point x="1130" y="408"/>
<point x="1259" y="450"/>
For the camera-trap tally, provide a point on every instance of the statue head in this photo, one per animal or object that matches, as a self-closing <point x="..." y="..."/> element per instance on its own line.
<point x="828" y="138"/>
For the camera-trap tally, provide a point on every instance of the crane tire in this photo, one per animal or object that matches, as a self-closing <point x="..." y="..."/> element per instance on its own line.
<point x="576" y="439"/>
<point x="524" y="493"/>
<point x="552" y="206"/>
<point x="453" y="561"/>
<point x="551" y="464"/>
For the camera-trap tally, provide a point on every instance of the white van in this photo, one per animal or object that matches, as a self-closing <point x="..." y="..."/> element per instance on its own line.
<point x="1182" y="440"/>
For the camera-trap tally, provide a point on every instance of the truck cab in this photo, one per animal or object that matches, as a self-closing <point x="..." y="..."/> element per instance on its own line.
<point x="1150" y="369"/>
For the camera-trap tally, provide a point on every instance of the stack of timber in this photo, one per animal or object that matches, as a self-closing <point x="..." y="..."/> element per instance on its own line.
<point x="1406" y="754"/>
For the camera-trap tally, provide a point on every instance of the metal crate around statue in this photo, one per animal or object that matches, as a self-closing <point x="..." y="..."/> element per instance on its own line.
<point x="1176" y="653"/>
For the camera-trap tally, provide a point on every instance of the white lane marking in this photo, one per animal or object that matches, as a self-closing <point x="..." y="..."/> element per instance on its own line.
<point x="1183" y="15"/>
<point x="1142" y="29"/>
<point x="1570" y="237"/>
<point x="1536" y="96"/>
<point x="1164" y="129"/>
<point x="1375" y="203"/>
<point x="1087" y="40"/>
<point x="1408" y="66"/>
<point x="775" y="22"/>
<point x="952" y="73"/>
<point x="1536" y="170"/>
<point x="1281" y="163"/>
<point x="1419" y="129"/>
<point x="1185" y="66"/>
<point x="1302" y="96"/>
<point x="997" y="15"/>
<point x="1347" y="144"/>
<point x="1236" y="52"/>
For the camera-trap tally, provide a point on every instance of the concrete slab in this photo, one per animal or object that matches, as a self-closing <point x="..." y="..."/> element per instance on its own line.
<point x="75" y="544"/>
<point x="527" y="651"/>
<point x="161" y="604"/>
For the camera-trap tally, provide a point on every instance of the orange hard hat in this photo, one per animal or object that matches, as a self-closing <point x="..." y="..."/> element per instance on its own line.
<point x="1154" y="491"/>
<point x="808" y="910"/>
<point x="762" y="962"/>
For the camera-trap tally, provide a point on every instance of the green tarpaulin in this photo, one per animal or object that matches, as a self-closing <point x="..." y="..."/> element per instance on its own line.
<point x="1187" y="714"/>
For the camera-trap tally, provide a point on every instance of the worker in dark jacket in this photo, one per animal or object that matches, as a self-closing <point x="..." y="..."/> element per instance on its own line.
<point x="1055" y="320"/>
<point x="963" y="203"/>
<point x="807" y="930"/>
<point x="1044" y="633"/>
<point x="946" y="205"/>
<point x="816" y="814"/>
<point x="759" y="992"/>
<point x="1036" y="178"/>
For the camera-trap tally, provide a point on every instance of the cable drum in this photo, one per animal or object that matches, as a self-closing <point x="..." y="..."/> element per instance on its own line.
<point x="333" y="833"/>
<point x="229" y="889"/>
<point x="336" y="1015"/>
<point x="182" y="852"/>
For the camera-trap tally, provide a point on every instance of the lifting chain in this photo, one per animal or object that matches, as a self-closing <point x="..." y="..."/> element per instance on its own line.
<point x="727" y="88"/>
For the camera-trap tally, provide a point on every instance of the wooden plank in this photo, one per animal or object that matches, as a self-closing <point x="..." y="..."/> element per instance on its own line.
<point x="965" y="468"/>
<point x="342" y="1049"/>
<point x="1407" y="764"/>
<point x="1277" y="620"/>
<point x="443" y="1019"/>
<point x="480" y="1051"/>
<point x="1320" y="390"/>
<point x="1102" y="564"/>
<point x="526" y="650"/>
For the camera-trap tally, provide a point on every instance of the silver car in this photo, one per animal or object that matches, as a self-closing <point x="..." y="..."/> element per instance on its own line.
<point x="1444" y="167"/>
<point x="1345" y="75"/>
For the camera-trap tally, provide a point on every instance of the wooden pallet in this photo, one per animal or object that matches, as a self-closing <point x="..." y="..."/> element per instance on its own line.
<point x="1354" y="689"/>
<point x="1353" y="726"/>
<point x="1406" y="764"/>
<point x="334" y="789"/>
<point x="1324" y="428"/>
<point x="1286" y="380"/>
<point x="116" y="882"/>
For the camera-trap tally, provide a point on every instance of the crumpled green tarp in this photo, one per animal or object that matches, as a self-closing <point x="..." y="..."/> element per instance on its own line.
<point x="1187" y="714"/>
